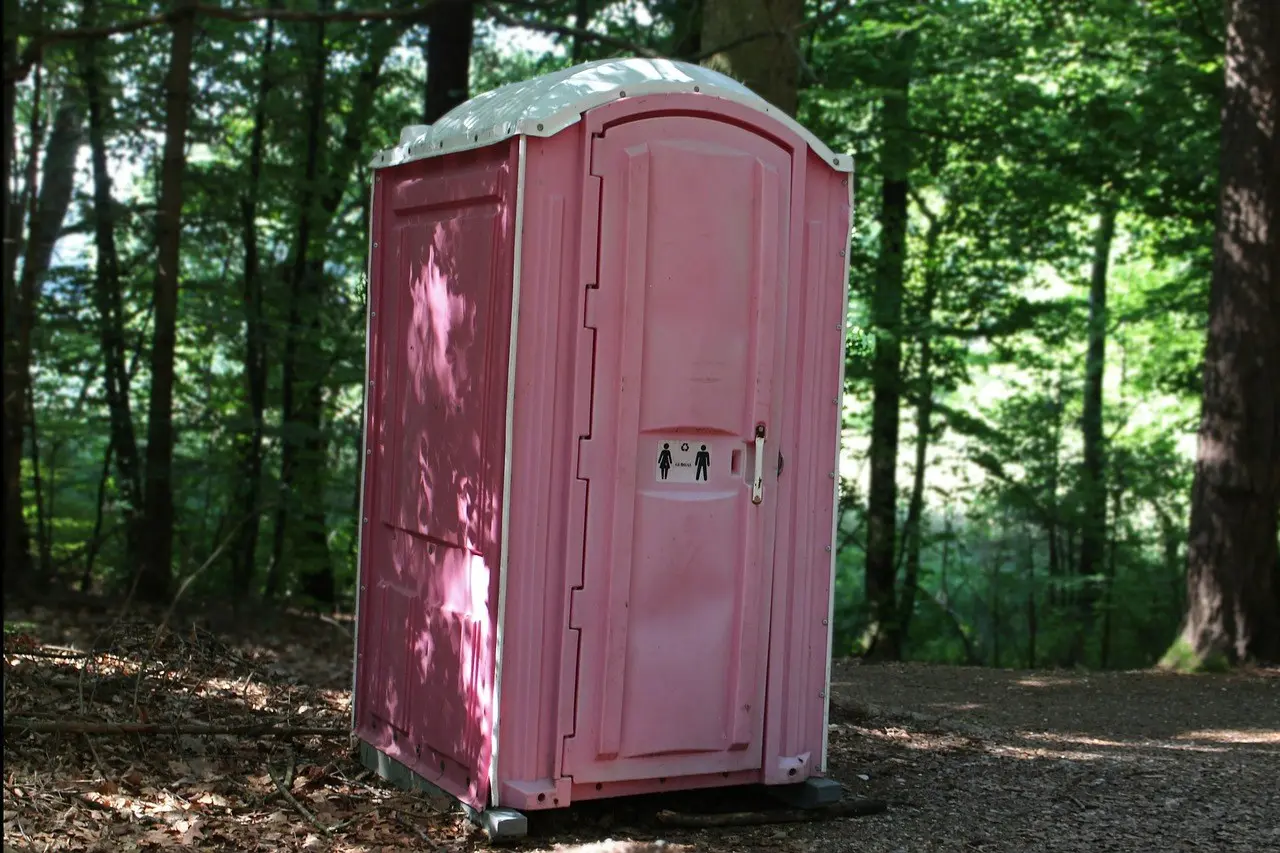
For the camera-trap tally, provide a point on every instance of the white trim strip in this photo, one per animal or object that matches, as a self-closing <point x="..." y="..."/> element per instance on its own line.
<point x="364" y="445"/>
<point x="835" y="506"/>
<point x="505" y="550"/>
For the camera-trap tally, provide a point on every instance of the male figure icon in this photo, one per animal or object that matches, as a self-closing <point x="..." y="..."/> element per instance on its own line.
<point x="701" y="463"/>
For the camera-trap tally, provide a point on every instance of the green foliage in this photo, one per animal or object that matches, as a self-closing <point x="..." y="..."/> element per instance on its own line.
<point x="1022" y="116"/>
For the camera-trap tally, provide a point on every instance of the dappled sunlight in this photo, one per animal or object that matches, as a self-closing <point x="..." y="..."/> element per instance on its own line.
<point x="1251" y="736"/>
<point x="1046" y="681"/>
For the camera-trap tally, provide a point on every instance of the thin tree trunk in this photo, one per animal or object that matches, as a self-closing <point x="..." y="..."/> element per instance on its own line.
<point x="17" y="547"/>
<point x="255" y="360"/>
<point x="450" y="27"/>
<point x="299" y="288"/>
<point x="886" y="368"/>
<point x="43" y="510"/>
<point x="911" y="532"/>
<point x="109" y="302"/>
<point x="769" y="66"/>
<point x="95" y="541"/>
<point x="1233" y="600"/>
<point x="302" y="463"/>
<point x="581" y="17"/>
<point x="1093" y="493"/>
<point x="1055" y="566"/>
<point x="1031" y="599"/>
<point x="157" y="569"/>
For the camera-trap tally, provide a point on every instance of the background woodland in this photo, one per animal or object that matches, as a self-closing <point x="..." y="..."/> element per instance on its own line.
<point x="1064" y="271"/>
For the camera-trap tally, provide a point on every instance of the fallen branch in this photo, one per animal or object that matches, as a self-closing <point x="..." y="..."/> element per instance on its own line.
<point x="293" y="801"/>
<point x="852" y="808"/>
<point x="91" y="728"/>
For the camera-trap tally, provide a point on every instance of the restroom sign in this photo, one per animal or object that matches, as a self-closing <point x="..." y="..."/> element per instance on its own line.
<point x="682" y="461"/>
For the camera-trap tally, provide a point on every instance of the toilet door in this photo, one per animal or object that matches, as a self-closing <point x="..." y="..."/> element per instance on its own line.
<point x="689" y="312"/>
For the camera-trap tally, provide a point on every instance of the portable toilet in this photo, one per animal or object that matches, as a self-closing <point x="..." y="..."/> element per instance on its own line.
<point x="606" y="323"/>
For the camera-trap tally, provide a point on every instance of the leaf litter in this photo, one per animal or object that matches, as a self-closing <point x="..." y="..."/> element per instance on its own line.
<point x="968" y="759"/>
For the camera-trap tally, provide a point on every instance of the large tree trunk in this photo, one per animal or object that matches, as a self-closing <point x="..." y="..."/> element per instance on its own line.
<point x="48" y="209"/>
<point x="109" y="302"/>
<point x="449" y="32"/>
<point x="768" y="65"/>
<point x="255" y="362"/>
<point x="1093" y="492"/>
<point x="157" y="569"/>
<point x="886" y="365"/>
<point x="1233" y="607"/>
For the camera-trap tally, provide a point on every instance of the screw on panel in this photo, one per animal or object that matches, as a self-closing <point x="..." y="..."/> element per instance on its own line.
<point x="842" y="253"/>
<point x="697" y="88"/>
<point x="824" y="621"/>
<point x="828" y="549"/>
<point x="621" y="93"/>
<point x="375" y="245"/>
<point x="834" y="400"/>
<point x="369" y="452"/>
<point x="366" y="519"/>
<point x="373" y="313"/>
<point x="822" y="694"/>
<point x="539" y="126"/>
<point x="831" y="475"/>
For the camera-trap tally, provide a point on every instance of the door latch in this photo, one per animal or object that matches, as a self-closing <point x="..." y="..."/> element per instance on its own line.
<point x="757" y="482"/>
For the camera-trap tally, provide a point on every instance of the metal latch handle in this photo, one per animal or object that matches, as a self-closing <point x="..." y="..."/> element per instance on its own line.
<point x="757" y="483"/>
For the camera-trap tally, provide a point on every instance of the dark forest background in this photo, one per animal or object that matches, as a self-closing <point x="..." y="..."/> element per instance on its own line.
<point x="1063" y="390"/>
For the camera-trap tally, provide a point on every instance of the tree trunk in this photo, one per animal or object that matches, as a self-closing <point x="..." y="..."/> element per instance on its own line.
<point x="244" y="552"/>
<point x="911" y="532"/>
<point x="1093" y="493"/>
<point x="1233" y="607"/>
<point x="449" y="32"/>
<point x="17" y="538"/>
<point x="302" y="284"/>
<point x="109" y="302"/>
<point x="48" y="210"/>
<point x="886" y="366"/>
<point x="95" y="540"/>
<point x="156" y="569"/>
<point x="581" y="17"/>
<point x="302" y="462"/>
<point x="769" y="65"/>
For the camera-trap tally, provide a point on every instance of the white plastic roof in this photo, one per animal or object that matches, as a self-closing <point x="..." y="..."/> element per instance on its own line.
<point x="546" y="105"/>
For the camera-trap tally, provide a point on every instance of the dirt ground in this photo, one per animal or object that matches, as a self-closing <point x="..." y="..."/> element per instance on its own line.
<point x="967" y="759"/>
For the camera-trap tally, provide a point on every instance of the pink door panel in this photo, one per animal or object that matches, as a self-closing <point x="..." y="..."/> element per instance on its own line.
<point x="674" y="610"/>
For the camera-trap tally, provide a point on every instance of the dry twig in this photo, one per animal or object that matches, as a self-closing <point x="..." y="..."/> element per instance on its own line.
<point x="94" y="728"/>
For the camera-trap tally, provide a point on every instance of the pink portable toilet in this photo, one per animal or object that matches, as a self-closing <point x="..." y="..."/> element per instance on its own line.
<point x="605" y="356"/>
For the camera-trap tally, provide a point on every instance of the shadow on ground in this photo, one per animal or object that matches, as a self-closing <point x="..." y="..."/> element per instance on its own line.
<point x="969" y="759"/>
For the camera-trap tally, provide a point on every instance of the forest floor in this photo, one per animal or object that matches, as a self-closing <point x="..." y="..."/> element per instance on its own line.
<point x="966" y="758"/>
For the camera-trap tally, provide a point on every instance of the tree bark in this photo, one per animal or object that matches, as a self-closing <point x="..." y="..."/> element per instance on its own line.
<point x="1093" y="492"/>
<point x="109" y="302"/>
<point x="303" y="281"/>
<point x="769" y="65"/>
<point x="48" y="210"/>
<point x="449" y="33"/>
<point x="255" y="360"/>
<point x="17" y="538"/>
<point x="911" y="531"/>
<point x="302" y="462"/>
<point x="886" y="365"/>
<point x="156" y="569"/>
<point x="1233" y="608"/>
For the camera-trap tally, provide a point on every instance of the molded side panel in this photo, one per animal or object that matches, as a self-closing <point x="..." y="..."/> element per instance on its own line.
<point x="802" y="585"/>
<point x="440" y="296"/>
<point x="554" y="361"/>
